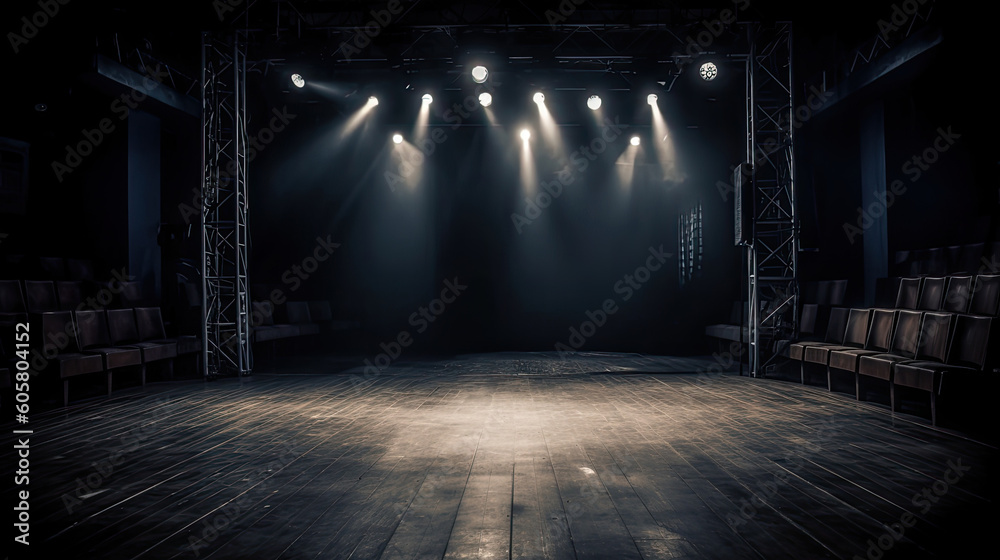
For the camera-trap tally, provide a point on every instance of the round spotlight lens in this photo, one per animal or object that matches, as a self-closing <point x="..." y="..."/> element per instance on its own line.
<point x="397" y="138"/>
<point x="651" y="99"/>
<point x="373" y="101"/>
<point x="634" y="141"/>
<point x="538" y="97"/>
<point x="485" y="99"/>
<point x="298" y="80"/>
<point x="427" y="99"/>
<point x="594" y="102"/>
<point x="708" y="71"/>
<point x="525" y="134"/>
<point x="479" y="74"/>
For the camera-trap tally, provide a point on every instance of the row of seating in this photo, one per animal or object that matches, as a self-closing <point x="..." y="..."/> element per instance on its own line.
<point x="17" y="298"/>
<point x="942" y="261"/>
<point x="936" y="339"/>
<point x="75" y="343"/>
<point x="47" y="268"/>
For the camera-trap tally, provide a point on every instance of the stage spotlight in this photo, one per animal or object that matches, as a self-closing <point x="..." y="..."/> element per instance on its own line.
<point x="427" y="99"/>
<point x="539" y="97"/>
<point x="525" y="134"/>
<point x="373" y="101"/>
<point x="634" y="141"/>
<point x="298" y="80"/>
<point x="709" y="71"/>
<point x="485" y="99"/>
<point x="651" y="99"/>
<point x="479" y="74"/>
<point x="397" y="138"/>
<point x="594" y="102"/>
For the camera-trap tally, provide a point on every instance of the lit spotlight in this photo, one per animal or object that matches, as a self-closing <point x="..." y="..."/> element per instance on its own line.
<point x="397" y="138"/>
<point x="373" y="101"/>
<point x="539" y="97"/>
<point x="651" y="99"/>
<point x="485" y="99"/>
<point x="427" y="99"/>
<point x="298" y="80"/>
<point x="594" y="102"/>
<point x="634" y="141"/>
<point x="479" y="74"/>
<point x="709" y="71"/>
<point x="525" y="134"/>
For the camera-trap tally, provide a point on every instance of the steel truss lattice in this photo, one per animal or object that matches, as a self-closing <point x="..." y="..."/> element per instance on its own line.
<point x="224" y="233"/>
<point x="772" y="250"/>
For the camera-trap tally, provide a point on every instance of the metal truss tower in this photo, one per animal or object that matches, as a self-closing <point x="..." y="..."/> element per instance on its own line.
<point x="772" y="250"/>
<point x="224" y="232"/>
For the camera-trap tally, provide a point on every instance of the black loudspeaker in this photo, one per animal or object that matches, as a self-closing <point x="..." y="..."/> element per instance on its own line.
<point x="742" y="185"/>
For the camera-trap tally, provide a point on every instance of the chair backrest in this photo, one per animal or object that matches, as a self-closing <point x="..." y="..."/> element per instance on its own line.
<point x="909" y="293"/>
<point x="58" y="332"/>
<point x="857" y="328"/>
<point x="880" y="332"/>
<point x="986" y="296"/>
<point x="298" y="312"/>
<point x="933" y="339"/>
<point x="70" y="294"/>
<point x="906" y="335"/>
<point x="92" y="327"/>
<point x="121" y="326"/>
<point x="80" y="269"/>
<point x="40" y="296"/>
<point x="970" y="343"/>
<point x="320" y="312"/>
<point x="11" y="300"/>
<point x="837" y="325"/>
<point x="931" y="294"/>
<point x="131" y="295"/>
<point x="807" y="320"/>
<point x="53" y="267"/>
<point x="956" y="297"/>
<point x="150" y="323"/>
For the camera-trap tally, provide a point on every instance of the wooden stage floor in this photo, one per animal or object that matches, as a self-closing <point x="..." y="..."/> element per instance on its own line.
<point x="502" y="456"/>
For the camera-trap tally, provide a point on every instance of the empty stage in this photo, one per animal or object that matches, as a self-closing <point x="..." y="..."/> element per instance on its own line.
<point x="503" y="456"/>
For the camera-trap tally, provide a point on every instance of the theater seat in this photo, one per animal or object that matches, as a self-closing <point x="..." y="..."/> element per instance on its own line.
<point x="986" y="295"/>
<point x="956" y="297"/>
<point x="931" y="294"/>
<point x="909" y="293"/>
<point x="967" y="357"/>
<point x="879" y="336"/>
<point x="835" y="330"/>
<point x="854" y="338"/>
<point x="95" y="339"/>
<point x="125" y="333"/>
<point x="298" y="315"/>
<point x="40" y="296"/>
<point x="67" y="359"/>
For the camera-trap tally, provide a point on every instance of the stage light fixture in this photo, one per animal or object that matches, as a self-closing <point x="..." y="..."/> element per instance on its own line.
<point x="634" y="141"/>
<point x="485" y="99"/>
<point x="298" y="80"/>
<point x="427" y="99"/>
<point x="539" y="97"/>
<point x="708" y="71"/>
<point x="525" y="134"/>
<point x="479" y="74"/>
<point x="594" y="102"/>
<point x="397" y="138"/>
<point x="373" y="101"/>
<point x="651" y="99"/>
